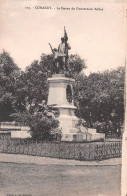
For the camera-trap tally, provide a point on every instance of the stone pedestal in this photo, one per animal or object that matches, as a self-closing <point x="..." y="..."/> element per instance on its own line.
<point x="61" y="97"/>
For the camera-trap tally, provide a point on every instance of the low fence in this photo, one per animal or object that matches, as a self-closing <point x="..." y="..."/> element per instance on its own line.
<point x="63" y="150"/>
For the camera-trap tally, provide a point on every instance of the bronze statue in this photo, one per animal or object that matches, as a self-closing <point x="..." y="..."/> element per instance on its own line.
<point x="61" y="55"/>
<point x="56" y="60"/>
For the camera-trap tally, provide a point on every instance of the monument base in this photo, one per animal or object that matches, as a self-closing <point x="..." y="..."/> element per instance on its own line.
<point x="69" y="137"/>
<point x="20" y="134"/>
<point x="68" y="122"/>
<point x="61" y="97"/>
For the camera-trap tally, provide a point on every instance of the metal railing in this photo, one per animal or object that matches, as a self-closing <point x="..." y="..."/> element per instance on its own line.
<point x="64" y="150"/>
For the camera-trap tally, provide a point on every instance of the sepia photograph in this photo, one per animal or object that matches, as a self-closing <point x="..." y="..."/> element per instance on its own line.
<point x="63" y="124"/>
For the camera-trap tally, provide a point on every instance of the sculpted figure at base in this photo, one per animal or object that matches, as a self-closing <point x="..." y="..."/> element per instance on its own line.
<point x="55" y="67"/>
<point x="60" y="55"/>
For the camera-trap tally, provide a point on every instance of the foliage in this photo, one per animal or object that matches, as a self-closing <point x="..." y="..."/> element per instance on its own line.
<point x="102" y="99"/>
<point x="36" y="82"/>
<point x="41" y="120"/>
<point x="75" y="65"/>
<point x="9" y="74"/>
<point x="35" y="77"/>
<point x="99" y="97"/>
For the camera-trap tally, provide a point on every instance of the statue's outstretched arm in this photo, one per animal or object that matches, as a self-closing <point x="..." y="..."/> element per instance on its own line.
<point x="51" y="48"/>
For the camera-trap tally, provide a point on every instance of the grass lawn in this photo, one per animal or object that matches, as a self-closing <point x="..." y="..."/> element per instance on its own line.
<point x="58" y="180"/>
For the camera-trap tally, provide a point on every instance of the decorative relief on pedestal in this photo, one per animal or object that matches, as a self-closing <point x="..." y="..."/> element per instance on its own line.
<point x="69" y="94"/>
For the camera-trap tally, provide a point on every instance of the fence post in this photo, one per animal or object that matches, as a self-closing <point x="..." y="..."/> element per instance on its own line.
<point x="80" y="154"/>
<point x="15" y="146"/>
<point x="54" y="153"/>
<point x="89" y="152"/>
<point x="36" y="148"/>
<point x="3" y="144"/>
<point x="96" y="152"/>
<point x="69" y="150"/>
<point x="23" y="146"/>
<point x="45" y="148"/>
<point x="31" y="147"/>
<point x="59" y="149"/>
<point x="27" y="149"/>
<point x="74" y="150"/>
<point x="19" y="145"/>
<point x="7" y="144"/>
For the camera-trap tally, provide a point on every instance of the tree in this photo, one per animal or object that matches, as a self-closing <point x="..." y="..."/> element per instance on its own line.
<point x="9" y="73"/>
<point x="32" y="90"/>
<point x="35" y="77"/>
<point x="101" y="99"/>
<point x="75" y="66"/>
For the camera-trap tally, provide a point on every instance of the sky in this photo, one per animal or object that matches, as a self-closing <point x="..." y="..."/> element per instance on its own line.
<point x="97" y="35"/>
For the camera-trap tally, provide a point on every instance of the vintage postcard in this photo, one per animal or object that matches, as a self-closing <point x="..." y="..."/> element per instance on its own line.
<point x="63" y="97"/>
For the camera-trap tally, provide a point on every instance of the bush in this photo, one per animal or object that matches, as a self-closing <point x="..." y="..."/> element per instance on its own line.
<point x="41" y="120"/>
<point x="41" y="126"/>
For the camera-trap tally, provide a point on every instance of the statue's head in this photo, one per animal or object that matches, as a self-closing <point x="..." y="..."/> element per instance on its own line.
<point x="62" y="39"/>
<point x="55" y="49"/>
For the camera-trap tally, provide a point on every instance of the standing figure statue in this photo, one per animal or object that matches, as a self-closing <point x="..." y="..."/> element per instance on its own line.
<point x="63" y="52"/>
<point x="61" y="55"/>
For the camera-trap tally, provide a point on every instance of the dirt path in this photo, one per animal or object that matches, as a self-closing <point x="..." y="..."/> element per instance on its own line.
<point x="15" y="158"/>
